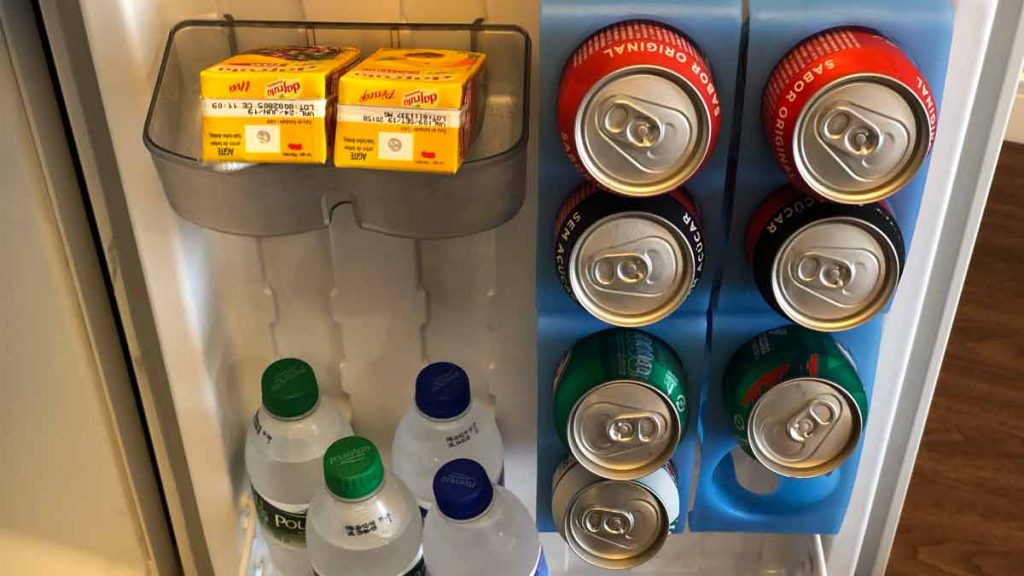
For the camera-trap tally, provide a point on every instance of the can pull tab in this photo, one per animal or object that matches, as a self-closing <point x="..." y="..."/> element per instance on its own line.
<point x="869" y="145"/>
<point x="610" y="429"/>
<point x="610" y="525"/>
<point x="844" y="277"/>
<point x="642" y="267"/>
<point x="650" y="135"/>
<point x="811" y="425"/>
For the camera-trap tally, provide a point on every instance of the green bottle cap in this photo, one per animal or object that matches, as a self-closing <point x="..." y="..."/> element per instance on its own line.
<point x="289" y="388"/>
<point x="352" y="468"/>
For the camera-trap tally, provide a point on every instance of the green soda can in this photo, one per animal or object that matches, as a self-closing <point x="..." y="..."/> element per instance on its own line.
<point x="797" y="404"/>
<point x="620" y="403"/>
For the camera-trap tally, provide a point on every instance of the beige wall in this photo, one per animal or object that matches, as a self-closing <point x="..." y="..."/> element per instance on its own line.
<point x="66" y="506"/>
<point x="1015" y="129"/>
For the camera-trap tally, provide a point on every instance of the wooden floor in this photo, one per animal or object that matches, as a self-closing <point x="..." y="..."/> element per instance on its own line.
<point x="965" y="510"/>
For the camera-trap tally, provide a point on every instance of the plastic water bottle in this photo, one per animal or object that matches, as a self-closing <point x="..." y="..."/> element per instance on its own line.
<point x="363" y="519"/>
<point x="444" y="424"/>
<point x="478" y="528"/>
<point x="283" y="451"/>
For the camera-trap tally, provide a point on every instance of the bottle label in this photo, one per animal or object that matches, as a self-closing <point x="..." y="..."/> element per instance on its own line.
<point x="542" y="565"/>
<point x="285" y="522"/>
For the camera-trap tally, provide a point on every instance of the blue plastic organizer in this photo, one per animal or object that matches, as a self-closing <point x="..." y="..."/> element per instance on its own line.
<point x="923" y="29"/>
<point x="715" y="26"/>
<point x="727" y="194"/>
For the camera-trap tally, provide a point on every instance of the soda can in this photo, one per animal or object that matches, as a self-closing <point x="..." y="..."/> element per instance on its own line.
<point x="638" y="111"/>
<point x="620" y="402"/>
<point x="849" y="116"/>
<point x="825" y="266"/>
<point x="628" y="261"/>
<point x="797" y="404"/>
<point x="616" y="524"/>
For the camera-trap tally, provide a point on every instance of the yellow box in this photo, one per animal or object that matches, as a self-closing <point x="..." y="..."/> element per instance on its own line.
<point x="410" y="109"/>
<point x="273" y="104"/>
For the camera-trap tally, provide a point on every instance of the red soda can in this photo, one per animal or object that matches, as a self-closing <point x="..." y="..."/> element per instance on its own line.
<point x="638" y="111"/>
<point x="848" y="115"/>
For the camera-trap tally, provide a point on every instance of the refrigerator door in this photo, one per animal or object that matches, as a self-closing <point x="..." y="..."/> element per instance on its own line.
<point x="988" y="47"/>
<point x="207" y="310"/>
<point x="79" y="493"/>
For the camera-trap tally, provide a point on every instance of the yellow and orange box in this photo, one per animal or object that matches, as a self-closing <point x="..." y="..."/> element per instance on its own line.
<point x="410" y="109"/>
<point x="273" y="104"/>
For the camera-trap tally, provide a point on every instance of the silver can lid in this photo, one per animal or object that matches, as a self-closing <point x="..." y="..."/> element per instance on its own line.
<point x="804" y="427"/>
<point x="631" y="269"/>
<point x="616" y="525"/>
<point x="835" y="274"/>
<point x="623" y="430"/>
<point x="861" y="139"/>
<point x="642" y="131"/>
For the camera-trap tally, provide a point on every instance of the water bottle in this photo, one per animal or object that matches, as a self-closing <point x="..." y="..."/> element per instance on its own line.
<point x="477" y="528"/>
<point x="444" y="424"/>
<point x="363" y="520"/>
<point x="283" y="450"/>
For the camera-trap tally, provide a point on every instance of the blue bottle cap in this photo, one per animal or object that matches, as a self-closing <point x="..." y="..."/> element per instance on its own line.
<point x="442" y="391"/>
<point x="462" y="489"/>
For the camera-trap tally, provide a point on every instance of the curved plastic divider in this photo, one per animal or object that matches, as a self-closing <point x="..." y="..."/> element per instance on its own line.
<point x="716" y="27"/>
<point x="684" y="332"/>
<point x="792" y="495"/>
<point x="923" y="29"/>
<point x="274" y="199"/>
<point x="813" y="505"/>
